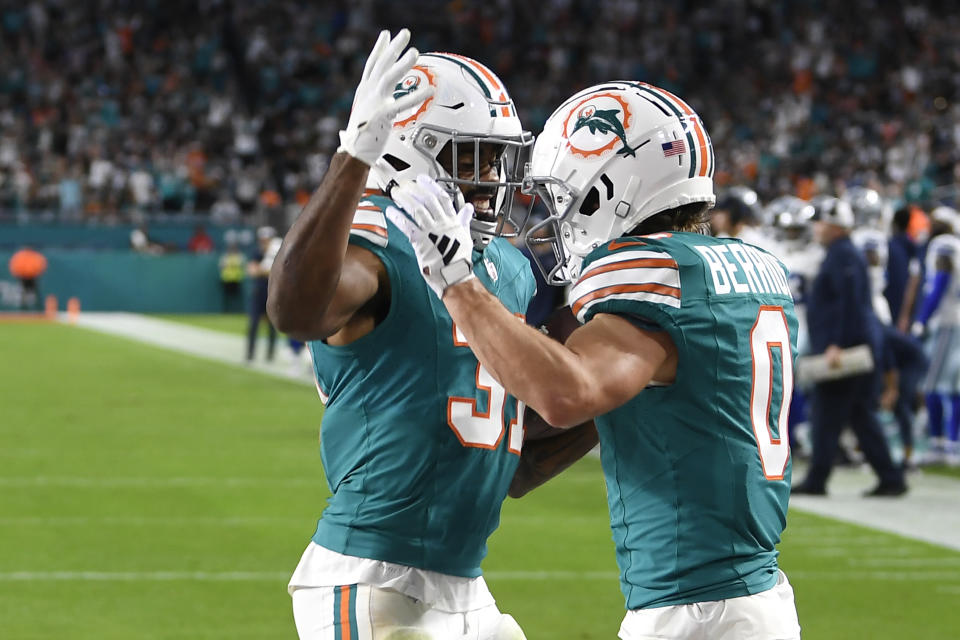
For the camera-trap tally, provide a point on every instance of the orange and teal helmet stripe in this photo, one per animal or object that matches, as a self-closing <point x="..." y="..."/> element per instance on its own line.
<point x="683" y="111"/>
<point x="476" y="71"/>
<point x="492" y="79"/>
<point x="706" y="150"/>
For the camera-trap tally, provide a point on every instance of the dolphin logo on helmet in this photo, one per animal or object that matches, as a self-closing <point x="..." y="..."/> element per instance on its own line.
<point x="405" y="87"/>
<point x="604" y="121"/>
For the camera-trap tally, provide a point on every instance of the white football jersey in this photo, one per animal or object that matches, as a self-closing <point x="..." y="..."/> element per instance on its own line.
<point x="874" y="240"/>
<point x="803" y="262"/>
<point x="948" y="312"/>
<point x="759" y="237"/>
<point x="271" y="254"/>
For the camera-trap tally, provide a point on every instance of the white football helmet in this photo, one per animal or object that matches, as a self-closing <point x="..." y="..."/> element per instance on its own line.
<point x="470" y="106"/>
<point x="869" y="208"/>
<point x="609" y="158"/>
<point x="834" y="211"/>
<point x="791" y="218"/>
<point x="947" y="216"/>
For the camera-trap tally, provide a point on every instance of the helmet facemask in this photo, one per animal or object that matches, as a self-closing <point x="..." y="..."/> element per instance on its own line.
<point x="556" y="230"/>
<point x="486" y="172"/>
<point x="469" y="114"/>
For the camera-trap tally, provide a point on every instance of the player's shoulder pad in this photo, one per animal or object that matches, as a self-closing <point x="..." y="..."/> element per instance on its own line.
<point x="639" y="269"/>
<point x="507" y="266"/>
<point x="944" y="245"/>
<point x="369" y="220"/>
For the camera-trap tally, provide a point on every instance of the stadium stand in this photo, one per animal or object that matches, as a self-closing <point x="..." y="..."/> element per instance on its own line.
<point x="231" y="109"/>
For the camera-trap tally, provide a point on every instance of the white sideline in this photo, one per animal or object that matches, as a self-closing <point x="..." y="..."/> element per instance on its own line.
<point x="930" y="512"/>
<point x="196" y="341"/>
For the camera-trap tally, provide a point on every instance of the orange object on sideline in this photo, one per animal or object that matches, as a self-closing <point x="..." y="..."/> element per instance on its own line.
<point x="27" y="264"/>
<point x="73" y="309"/>
<point x="919" y="224"/>
<point x="51" y="306"/>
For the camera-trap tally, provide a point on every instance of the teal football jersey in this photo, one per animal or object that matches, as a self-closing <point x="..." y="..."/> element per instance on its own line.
<point x="418" y="442"/>
<point x="697" y="471"/>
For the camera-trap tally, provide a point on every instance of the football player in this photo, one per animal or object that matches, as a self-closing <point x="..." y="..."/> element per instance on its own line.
<point x="738" y="214"/>
<point x="793" y="232"/>
<point x="419" y="443"/>
<point x="791" y="218"/>
<point x="940" y="311"/>
<point x="870" y="210"/>
<point x="872" y="243"/>
<point x="685" y="357"/>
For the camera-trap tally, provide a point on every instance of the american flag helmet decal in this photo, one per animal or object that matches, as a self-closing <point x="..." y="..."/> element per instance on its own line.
<point x="673" y="148"/>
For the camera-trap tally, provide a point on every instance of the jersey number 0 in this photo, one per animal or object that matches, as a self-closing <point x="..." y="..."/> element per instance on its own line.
<point x="769" y="333"/>
<point x="483" y="430"/>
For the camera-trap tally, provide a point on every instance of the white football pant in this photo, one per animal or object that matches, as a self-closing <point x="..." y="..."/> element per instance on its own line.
<point x="364" y="612"/>
<point x="769" y="615"/>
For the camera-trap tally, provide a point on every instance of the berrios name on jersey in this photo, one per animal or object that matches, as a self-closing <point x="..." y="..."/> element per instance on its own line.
<point x="637" y="271"/>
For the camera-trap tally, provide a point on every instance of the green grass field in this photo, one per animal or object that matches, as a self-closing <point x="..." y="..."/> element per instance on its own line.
<point x="146" y="494"/>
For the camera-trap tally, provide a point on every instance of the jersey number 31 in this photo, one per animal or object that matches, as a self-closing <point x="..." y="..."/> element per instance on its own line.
<point x="484" y="430"/>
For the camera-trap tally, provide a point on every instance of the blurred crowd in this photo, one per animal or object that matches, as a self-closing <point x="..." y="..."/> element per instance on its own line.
<point x="111" y="107"/>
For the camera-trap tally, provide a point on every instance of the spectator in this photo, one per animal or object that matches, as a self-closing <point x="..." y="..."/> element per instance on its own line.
<point x="200" y="241"/>
<point x="840" y="315"/>
<point x="791" y="95"/>
<point x="142" y="188"/>
<point x="231" y="275"/>
<point x="71" y="193"/>
<point x="225" y="209"/>
<point x="27" y="265"/>
<point x="141" y="243"/>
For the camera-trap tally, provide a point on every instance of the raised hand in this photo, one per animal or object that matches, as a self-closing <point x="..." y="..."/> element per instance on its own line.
<point x="374" y="106"/>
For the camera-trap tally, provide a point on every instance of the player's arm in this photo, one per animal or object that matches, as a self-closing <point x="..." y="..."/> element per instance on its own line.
<point x="254" y="270"/>
<point x="541" y="460"/>
<point x="318" y="281"/>
<point x="909" y="297"/>
<point x="603" y="364"/>
<point x="548" y="451"/>
<point x="938" y="288"/>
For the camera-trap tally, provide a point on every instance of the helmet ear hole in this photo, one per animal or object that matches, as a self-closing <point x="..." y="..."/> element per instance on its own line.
<point x="396" y="162"/>
<point x="591" y="203"/>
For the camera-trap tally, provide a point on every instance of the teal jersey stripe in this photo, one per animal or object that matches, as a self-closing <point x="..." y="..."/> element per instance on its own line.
<point x="679" y="114"/>
<point x="337" y="626"/>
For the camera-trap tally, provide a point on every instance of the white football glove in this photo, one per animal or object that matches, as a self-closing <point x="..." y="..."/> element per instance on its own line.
<point x="374" y="107"/>
<point x="439" y="234"/>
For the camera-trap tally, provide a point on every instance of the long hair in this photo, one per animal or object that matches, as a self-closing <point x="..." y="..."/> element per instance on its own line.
<point x="689" y="217"/>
